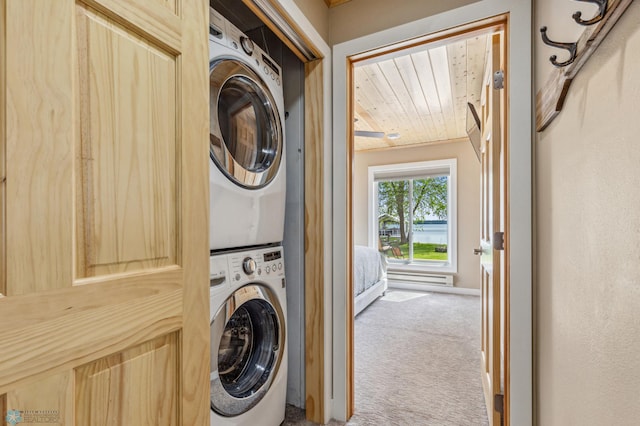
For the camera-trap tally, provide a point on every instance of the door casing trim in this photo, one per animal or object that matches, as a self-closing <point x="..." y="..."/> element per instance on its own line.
<point x="519" y="157"/>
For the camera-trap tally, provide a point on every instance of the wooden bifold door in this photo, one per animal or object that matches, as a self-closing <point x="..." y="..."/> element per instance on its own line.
<point x="104" y="212"/>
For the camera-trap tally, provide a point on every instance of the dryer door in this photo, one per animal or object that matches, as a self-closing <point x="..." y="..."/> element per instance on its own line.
<point x="245" y="128"/>
<point x="247" y="342"/>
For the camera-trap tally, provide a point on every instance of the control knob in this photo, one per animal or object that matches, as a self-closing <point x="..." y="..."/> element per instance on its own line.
<point x="247" y="45"/>
<point x="248" y="265"/>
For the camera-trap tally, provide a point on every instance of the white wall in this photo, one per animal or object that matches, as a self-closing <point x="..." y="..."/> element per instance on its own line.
<point x="468" y="275"/>
<point x="588" y="237"/>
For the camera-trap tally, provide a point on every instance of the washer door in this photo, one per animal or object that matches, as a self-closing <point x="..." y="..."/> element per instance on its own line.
<point x="245" y="129"/>
<point x="247" y="338"/>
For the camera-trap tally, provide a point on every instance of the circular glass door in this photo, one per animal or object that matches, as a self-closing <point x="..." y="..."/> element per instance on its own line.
<point x="249" y="332"/>
<point x="245" y="138"/>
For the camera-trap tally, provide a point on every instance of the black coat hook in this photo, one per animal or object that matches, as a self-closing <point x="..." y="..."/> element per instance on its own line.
<point x="602" y="4"/>
<point x="571" y="47"/>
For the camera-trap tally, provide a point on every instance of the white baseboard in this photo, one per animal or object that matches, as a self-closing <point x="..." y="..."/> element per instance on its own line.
<point x="435" y="288"/>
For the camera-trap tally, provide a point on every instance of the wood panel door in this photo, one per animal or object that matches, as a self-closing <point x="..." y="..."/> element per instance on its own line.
<point x="493" y="222"/>
<point x="104" y="201"/>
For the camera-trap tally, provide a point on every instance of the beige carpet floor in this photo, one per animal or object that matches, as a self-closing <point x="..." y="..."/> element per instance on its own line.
<point x="417" y="362"/>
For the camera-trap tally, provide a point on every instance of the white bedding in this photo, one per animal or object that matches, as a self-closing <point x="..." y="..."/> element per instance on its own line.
<point x="369" y="267"/>
<point x="369" y="276"/>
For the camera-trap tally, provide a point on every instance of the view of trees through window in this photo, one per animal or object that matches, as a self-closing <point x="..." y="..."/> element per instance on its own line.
<point x="412" y="218"/>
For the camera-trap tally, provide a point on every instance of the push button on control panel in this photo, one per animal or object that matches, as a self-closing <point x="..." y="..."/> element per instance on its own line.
<point x="273" y="262"/>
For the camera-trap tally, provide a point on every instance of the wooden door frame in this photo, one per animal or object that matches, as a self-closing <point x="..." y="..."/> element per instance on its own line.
<point x="519" y="323"/>
<point x="485" y="26"/>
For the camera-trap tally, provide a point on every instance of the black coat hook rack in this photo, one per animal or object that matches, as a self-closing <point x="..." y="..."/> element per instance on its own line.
<point x="602" y="5"/>
<point x="550" y="98"/>
<point x="571" y="47"/>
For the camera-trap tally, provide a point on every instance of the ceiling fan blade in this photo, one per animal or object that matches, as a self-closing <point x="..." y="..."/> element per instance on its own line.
<point x="473" y="129"/>
<point x="369" y="134"/>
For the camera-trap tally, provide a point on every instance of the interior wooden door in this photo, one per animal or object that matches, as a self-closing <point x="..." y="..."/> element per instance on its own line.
<point x="104" y="201"/>
<point x="493" y="222"/>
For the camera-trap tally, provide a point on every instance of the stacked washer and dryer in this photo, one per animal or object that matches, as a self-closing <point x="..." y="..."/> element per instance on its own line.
<point x="247" y="192"/>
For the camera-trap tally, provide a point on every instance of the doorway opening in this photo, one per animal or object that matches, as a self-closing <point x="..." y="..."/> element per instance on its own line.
<point x="413" y="169"/>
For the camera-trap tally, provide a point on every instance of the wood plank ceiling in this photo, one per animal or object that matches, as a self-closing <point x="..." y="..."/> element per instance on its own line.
<point x="420" y="96"/>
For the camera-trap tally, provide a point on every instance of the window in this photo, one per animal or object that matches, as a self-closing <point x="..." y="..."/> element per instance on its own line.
<point x="412" y="214"/>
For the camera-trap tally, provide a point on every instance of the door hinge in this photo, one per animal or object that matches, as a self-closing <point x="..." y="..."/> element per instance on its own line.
<point x="498" y="403"/>
<point x="498" y="80"/>
<point x="498" y="406"/>
<point x="498" y="240"/>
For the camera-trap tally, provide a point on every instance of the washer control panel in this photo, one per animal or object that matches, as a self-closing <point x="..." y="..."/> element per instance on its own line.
<point x="256" y="264"/>
<point x="274" y="262"/>
<point x="218" y="271"/>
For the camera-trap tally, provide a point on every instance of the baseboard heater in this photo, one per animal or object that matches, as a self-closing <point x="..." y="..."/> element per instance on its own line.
<point x="420" y="277"/>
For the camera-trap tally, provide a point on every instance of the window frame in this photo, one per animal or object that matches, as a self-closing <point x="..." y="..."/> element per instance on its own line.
<point x="424" y="168"/>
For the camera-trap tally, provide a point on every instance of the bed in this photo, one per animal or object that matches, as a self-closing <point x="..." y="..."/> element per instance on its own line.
<point x="369" y="276"/>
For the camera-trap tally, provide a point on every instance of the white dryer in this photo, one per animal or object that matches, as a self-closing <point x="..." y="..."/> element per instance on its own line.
<point x="247" y="169"/>
<point x="248" y="338"/>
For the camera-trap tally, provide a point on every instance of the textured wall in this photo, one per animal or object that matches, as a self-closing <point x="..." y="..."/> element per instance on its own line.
<point x="588" y="240"/>
<point x="468" y="198"/>
<point x="361" y="17"/>
<point x="317" y="13"/>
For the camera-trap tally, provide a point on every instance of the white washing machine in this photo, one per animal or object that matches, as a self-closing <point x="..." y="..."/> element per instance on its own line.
<point x="247" y="169"/>
<point x="248" y="338"/>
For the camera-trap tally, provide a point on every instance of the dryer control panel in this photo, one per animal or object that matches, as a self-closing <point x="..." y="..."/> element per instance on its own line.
<point x="225" y="33"/>
<point x="217" y="27"/>
<point x="266" y="67"/>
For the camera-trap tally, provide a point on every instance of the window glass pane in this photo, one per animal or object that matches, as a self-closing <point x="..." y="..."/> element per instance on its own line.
<point x="430" y="225"/>
<point x="423" y="201"/>
<point x="393" y="219"/>
<point x="416" y="214"/>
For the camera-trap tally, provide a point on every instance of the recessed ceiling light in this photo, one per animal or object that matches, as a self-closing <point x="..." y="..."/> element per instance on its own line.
<point x="393" y="136"/>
